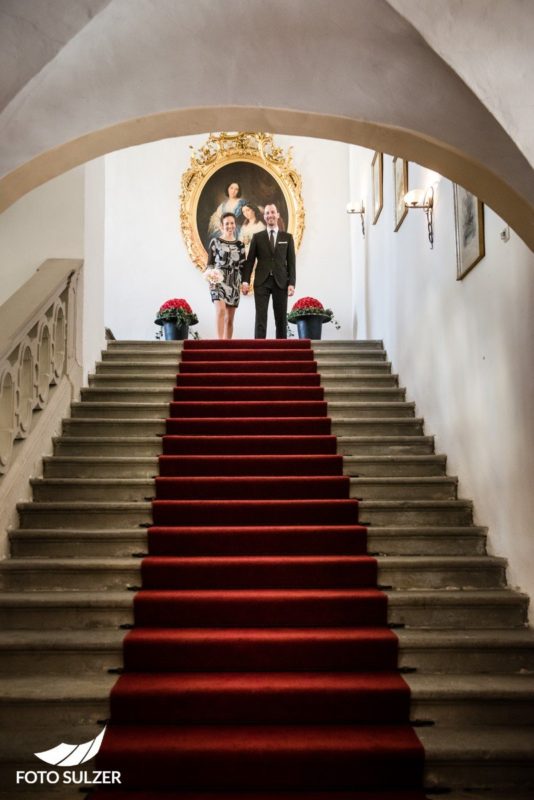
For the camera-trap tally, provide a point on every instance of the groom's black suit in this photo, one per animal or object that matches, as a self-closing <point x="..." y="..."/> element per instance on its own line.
<point x="275" y="271"/>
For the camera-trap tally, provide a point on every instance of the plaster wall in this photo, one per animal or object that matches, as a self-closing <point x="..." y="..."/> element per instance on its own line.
<point x="46" y="223"/>
<point x="146" y="260"/>
<point x="462" y="348"/>
<point x="93" y="337"/>
<point x="488" y="43"/>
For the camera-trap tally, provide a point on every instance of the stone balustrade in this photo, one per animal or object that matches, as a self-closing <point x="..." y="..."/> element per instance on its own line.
<point x="37" y="347"/>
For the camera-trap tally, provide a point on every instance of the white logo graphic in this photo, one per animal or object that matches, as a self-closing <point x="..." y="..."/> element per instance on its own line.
<point x="72" y="755"/>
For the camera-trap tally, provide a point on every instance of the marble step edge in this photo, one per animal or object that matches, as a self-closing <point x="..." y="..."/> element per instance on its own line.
<point x="373" y="377"/>
<point x="423" y="480"/>
<point x="164" y="407"/>
<point x="112" y="638"/>
<point x="139" y="534"/>
<point x="23" y="564"/>
<point x="142" y="506"/>
<point x="432" y="458"/>
<point x="490" y="687"/>
<point x="116" y="598"/>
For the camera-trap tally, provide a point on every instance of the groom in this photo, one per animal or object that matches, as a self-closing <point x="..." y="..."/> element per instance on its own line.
<point x="274" y="252"/>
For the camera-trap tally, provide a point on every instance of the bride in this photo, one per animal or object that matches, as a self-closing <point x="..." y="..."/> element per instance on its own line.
<point x="232" y="205"/>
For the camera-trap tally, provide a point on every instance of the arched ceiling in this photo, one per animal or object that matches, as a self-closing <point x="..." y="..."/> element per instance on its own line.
<point x="353" y="70"/>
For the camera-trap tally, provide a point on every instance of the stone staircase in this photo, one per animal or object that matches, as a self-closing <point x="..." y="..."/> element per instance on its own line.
<point x="66" y="598"/>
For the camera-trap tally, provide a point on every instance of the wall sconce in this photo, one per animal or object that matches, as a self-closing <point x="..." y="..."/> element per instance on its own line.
<point x="355" y="208"/>
<point x="418" y="198"/>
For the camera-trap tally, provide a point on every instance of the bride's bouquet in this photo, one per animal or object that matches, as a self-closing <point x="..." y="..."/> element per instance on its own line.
<point x="213" y="275"/>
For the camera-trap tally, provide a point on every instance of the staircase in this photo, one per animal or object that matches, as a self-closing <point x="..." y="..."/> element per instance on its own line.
<point x="465" y="650"/>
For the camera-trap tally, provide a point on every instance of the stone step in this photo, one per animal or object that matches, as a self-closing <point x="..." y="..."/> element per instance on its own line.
<point x="91" y="515"/>
<point x="100" y="466"/>
<point x="503" y="651"/>
<point x="389" y="446"/>
<point x="478" y="757"/>
<point x="140" y="489"/>
<point x="328" y="352"/>
<point x="162" y="369"/>
<point x="113" y="394"/>
<point x="145" y="467"/>
<point x="133" y="410"/>
<point x="430" y="540"/>
<point x="363" y="394"/>
<point x="377" y="427"/>
<point x="438" y="609"/>
<point x="468" y="609"/>
<point x="163" y="395"/>
<point x="87" y="516"/>
<point x="370" y="410"/>
<point x="113" y="427"/>
<point x="107" y="426"/>
<point x="53" y="652"/>
<point x="423" y="572"/>
<point x="121" y="411"/>
<point x="352" y="367"/>
<point x="83" y="610"/>
<point x="145" y="446"/>
<point x="107" y="446"/>
<point x="467" y="700"/>
<point x="94" y="643"/>
<point x="333" y="381"/>
<point x="147" y="345"/>
<point x="133" y="382"/>
<point x="446" y="700"/>
<point x="404" y="488"/>
<point x="395" y="466"/>
<point x="415" y="512"/>
<point x="79" y="543"/>
<point x="46" y="703"/>
<point x="342" y="344"/>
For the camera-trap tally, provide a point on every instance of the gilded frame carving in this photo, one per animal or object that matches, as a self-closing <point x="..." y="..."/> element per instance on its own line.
<point x="263" y="171"/>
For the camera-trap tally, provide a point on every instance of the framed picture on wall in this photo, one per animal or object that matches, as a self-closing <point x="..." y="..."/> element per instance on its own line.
<point x="400" y="183"/>
<point x="469" y="226"/>
<point x="241" y="173"/>
<point x="378" y="199"/>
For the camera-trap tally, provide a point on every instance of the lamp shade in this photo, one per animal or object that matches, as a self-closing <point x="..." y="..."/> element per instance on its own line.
<point x="415" y="197"/>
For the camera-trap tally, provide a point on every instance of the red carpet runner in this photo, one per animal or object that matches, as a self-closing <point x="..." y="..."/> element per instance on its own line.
<point x="261" y="664"/>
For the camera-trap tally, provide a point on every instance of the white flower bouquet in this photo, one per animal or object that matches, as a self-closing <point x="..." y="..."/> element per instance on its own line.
<point x="213" y="275"/>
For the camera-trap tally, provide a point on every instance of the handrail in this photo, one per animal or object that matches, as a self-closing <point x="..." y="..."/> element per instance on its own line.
<point x="37" y="346"/>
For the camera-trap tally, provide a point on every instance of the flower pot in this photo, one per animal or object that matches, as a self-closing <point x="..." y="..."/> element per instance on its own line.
<point x="310" y="326"/>
<point x="173" y="330"/>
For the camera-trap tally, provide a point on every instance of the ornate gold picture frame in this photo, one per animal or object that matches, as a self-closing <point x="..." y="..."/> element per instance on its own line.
<point x="232" y="172"/>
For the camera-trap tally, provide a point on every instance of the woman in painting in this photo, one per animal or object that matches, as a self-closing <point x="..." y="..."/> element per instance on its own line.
<point x="232" y="204"/>
<point x="226" y="257"/>
<point x="251" y="224"/>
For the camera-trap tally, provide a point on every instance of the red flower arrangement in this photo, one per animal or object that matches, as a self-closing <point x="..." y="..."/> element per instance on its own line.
<point x="309" y="306"/>
<point x="176" y="310"/>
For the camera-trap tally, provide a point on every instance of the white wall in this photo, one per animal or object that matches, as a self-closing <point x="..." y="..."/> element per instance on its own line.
<point x="464" y="351"/>
<point x="93" y="339"/>
<point x="46" y="223"/>
<point x="147" y="261"/>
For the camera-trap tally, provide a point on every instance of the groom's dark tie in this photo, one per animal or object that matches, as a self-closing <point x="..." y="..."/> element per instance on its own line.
<point x="272" y="240"/>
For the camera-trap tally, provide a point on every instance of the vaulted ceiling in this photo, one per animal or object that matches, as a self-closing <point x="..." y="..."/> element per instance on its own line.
<point x="84" y="77"/>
